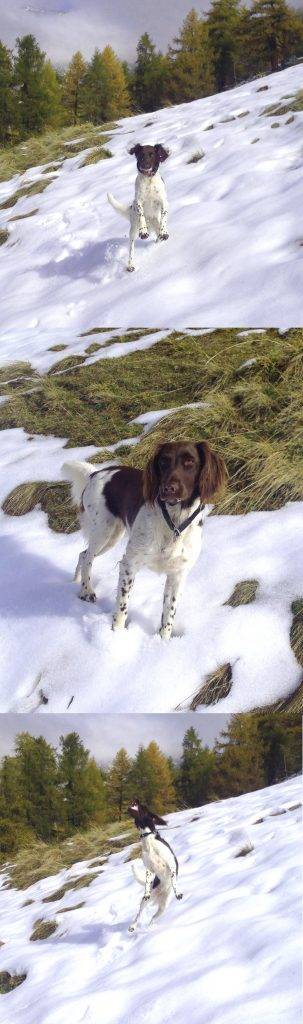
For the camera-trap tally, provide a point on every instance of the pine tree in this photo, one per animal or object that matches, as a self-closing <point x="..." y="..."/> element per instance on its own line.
<point x="7" y="99"/>
<point x="151" y="779"/>
<point x="197" y="765"/>
<point x="150" y="75"/>
<point x="52" y="95"/>
<point x="239" y="752"/>
<point x="28" y="72"/>
<point x="272" y="35"/>
<point x="105" y="93"/>
<point x="37" y="765"/>
<point x="82" y="784"/>
<point x="73" y="82"/>
<point x="119" y="784"/>
<point x="191" y="70"/>
<point x="224" y="21"/>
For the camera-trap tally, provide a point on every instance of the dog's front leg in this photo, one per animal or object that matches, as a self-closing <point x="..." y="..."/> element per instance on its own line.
<point x="126" y="579"/>
<point x="171" y="592"/>
<point x="163" y="229"/>
<point x="147" y="892"/>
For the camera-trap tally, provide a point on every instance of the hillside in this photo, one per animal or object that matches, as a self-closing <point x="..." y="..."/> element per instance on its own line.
<point x="238" y="637"/>
<point x="230" y="952"/>
<point x="234" y="256"/>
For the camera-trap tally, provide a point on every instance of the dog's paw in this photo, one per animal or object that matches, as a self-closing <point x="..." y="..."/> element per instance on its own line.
<point x="131" y="927"/>
<point x="91" y="597"/>
<point x="163" y="237"/>
<point x="130" y="269"/>
<point x="147" y="897"/>
<point x="180" y="896"/>
<point x="143" y="234"/>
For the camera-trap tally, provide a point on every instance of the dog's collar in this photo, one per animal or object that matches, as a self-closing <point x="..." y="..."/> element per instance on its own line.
<point x="144" y="834"/>
<point x="177" y="530"/>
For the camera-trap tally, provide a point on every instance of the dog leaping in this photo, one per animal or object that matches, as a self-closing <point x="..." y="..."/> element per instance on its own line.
<point x="149" y="210"/>
<point x="161" y="866"/>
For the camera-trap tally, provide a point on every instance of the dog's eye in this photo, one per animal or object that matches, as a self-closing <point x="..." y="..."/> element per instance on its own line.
<point x="188" y="462"/>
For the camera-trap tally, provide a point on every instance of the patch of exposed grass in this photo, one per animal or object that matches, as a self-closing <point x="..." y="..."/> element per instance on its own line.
<point x="243" y="593"/>
<point x="57" y="348"/>
<point x="27" y="903"/>
<point x="96" y="154"/>
<point x="27" y="190"/>
<point x="217" y="685"/>
<point x="10" y="981"/>
<point x="4" y="235"/>
<point x="94" y="347"/>
<point x="95" y="330"/>
<point x="73" y="885"/>
<point x="295" y="104"/>
<point x="23" y="216"/>
<point x="52" y="498"/>
<point x="134" y="853"/>
<point x="296" y="630"/>
<point x="66" y="364"/>
<point x="43" y="930"/>
<point x="41" y="860"/>
<point x="52" y="147"/>
<point x="67" y="910"/>
<point x="194" y="159"/>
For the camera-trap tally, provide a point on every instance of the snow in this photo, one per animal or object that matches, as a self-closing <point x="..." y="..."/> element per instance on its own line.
<point x="234" y="256"/>
<point x="52" y="642"/>
<point x="229" y="952"/>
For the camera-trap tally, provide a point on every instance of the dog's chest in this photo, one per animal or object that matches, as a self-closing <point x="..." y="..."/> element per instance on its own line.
<point x="151" y="192"/>
<point x="156" y="857"/>
<point x="155" y="546"/>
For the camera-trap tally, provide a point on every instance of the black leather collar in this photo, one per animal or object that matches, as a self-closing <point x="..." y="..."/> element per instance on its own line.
<point x="177" y="530"/>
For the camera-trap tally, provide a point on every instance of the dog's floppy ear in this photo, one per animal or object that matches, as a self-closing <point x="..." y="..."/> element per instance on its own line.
<point x="213" y="474"/>
<point x="162" y="152"/>
<point x="135" y="150"/>
<point x="151" y="477"/>
<point x="157" y="820"/>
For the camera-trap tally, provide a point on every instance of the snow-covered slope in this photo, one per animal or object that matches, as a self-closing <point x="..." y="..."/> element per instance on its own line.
<point x="234" y="256"/>
<point x="229" y="953"/>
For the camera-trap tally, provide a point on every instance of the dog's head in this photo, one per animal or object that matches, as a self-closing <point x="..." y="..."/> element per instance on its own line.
<point x="144" y="818"/>
<point x="181" y="471"/>
<point x="149" y="157"/>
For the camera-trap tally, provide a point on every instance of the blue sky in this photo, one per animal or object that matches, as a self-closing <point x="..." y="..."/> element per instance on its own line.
<point x="105" y="734"/>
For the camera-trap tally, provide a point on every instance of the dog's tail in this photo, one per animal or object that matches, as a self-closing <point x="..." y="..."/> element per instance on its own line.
<point x="119" y="207"/>
<point x="78" y="474"/>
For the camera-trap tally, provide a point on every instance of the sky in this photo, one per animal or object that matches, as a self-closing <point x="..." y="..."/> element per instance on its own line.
<point x="105" y="734"/>
<point x="64" y="26"/>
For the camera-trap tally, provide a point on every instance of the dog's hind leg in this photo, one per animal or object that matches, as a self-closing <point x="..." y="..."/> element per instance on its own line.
<point x="86" y="559"/>
<point x="145" y="898"/>
<point x="133" y="234"/>
<point x="178" y="895"/>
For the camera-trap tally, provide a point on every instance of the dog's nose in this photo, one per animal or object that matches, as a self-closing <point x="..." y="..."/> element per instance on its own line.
<point x="171" y="487"/>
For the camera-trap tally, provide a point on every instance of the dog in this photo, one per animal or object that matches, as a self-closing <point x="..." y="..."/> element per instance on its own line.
<point x="160" y="862"/>
<point x="162" y="509"/>
<point x="149" y="210"/>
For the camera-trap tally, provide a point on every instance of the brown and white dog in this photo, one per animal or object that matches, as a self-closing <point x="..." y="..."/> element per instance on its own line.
<point x="160" y="872"/>
<point x="148" y="212"/>
<point x="162" y="509"/>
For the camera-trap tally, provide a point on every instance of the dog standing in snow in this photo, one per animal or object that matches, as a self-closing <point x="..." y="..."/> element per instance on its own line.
<point x="162" y="510"/>
<point x="161" y="865"/>
<point x="148" y="211"/>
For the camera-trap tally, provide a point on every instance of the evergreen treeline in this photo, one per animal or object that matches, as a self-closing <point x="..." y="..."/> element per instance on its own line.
<point x="229" y="44"/>
<point x="48" y="795"/>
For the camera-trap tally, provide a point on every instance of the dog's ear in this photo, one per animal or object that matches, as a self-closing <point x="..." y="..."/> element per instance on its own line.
<point x="135" y="150"/>
<point x="213" y="473"/>
<point x="162" y="152"/>
<point x="157" y="820"/>
<point x="151" y="477"/>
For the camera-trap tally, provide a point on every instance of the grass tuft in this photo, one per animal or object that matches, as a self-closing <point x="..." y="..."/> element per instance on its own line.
<point x="216" y="686"/>
<point x="194" y="159"/>
<point x="296" y="630"/>
<point x="27" y="190"/>
<point x="96" y="154"/>
<point x="43" y="930"/>
<point x="4" y="235"/>
<point x="10" y="981"/>
<point x="41" y="860"/>
<point x="243" y="593"/>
